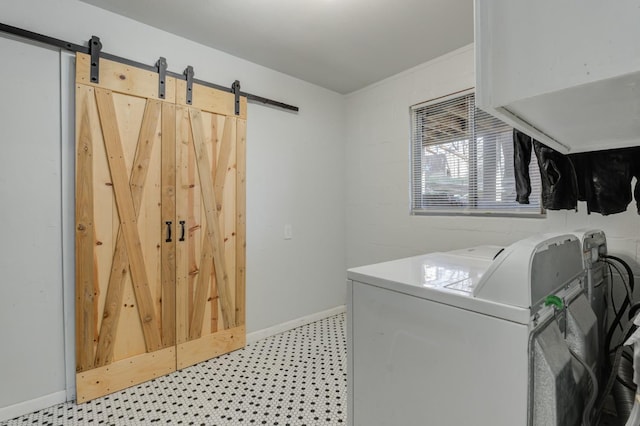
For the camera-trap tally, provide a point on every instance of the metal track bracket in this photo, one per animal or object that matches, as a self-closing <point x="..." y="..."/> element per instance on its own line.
<point x="95" y="46"/>
<point x="235" y="88"/>
<point x="188" y="72"/>
<point x="161" y="65"/>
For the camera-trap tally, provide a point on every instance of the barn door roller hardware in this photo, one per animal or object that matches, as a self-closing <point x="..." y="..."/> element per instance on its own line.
<point x="236" y="92"/>
<point x="94" y="48"/>
<point x="161" y="65"/>
<point x="188" y="73"/>
<point x="95" y="51"/>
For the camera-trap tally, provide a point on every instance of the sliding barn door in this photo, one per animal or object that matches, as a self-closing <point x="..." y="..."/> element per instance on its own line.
<point x="210" y="208"/>
<point x="125" y="228"/>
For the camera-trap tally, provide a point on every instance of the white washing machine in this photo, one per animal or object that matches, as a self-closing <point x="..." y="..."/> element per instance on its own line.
<point x="479" y="336"/>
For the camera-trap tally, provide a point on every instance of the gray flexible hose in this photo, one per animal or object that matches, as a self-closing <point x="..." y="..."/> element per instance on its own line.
<point x="586" y="414"/>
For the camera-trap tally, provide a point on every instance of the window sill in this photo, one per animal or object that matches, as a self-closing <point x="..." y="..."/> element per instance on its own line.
<point x="480" y="213"/>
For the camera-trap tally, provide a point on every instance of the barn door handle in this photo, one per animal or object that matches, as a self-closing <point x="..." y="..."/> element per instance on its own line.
<point x="168" y="223"/>
<point x="182" y="222"/>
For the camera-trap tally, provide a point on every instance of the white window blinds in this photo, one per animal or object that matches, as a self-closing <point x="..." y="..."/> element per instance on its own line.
<point x="462" y="161"/>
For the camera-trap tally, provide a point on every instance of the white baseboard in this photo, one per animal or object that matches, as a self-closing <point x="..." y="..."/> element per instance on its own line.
<point x="26" y="407"/>
<point x="290" y="325"/>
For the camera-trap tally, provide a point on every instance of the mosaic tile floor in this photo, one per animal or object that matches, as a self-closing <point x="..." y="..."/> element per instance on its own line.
<point x="295" y="378"/>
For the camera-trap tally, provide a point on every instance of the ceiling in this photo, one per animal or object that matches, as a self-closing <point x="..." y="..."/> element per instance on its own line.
<point x="342" y="45"/>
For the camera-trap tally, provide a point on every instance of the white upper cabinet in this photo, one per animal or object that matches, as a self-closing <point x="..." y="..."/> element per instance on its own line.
<point x="565" y="72"/>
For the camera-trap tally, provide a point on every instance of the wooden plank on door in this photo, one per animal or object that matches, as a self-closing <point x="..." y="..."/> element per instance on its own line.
<point x="228" y="212"/>
<point x="223" y="160"/>
<point x="168" y="183"/>
<point x="182" y="200"/>
<point x="209" y="99"/>
<point x="124" y="79"/>
<point x="209" y="346"/>
<point x="202" y="289"/>
<point x="85" y="261"/>
<point x="128" y="221"/>
<point x="211" y="214"/>
<point x="124" y="373"/>
<point x="241" y="225"/>
<point x="120" y="263"/>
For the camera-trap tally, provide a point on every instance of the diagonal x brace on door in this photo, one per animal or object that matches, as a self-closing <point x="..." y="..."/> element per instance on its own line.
<point x="206" y="257"/>
<point x="212" y="218"/>
<point x="128" y="218"/>
<point x="120" y="264"/>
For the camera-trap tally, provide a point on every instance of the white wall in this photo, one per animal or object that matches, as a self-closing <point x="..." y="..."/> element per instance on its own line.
<point x="31" y="307"/>
<point x="295" y="170"/>
<point x="379" y="226"/>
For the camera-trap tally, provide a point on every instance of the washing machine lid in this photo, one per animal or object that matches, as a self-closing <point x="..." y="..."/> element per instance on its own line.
<point x="448" y="278"/>
<point x="505" y="283"/>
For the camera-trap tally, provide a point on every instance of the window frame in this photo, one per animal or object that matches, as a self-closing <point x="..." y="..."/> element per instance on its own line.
<point x="527" y="213"/>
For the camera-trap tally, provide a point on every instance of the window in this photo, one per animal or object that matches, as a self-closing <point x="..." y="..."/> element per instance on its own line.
<point x="462" y="161"/>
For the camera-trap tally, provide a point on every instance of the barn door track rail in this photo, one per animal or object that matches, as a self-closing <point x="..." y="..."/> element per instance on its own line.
<point x="94" y="49"/>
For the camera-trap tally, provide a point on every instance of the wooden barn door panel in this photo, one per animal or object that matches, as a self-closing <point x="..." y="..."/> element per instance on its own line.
<point x="125" y="268"/>
<point x="210" y="201"/>
<point x="160" y="227"/>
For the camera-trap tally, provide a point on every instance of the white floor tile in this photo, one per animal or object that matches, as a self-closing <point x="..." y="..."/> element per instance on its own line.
<point x="296" y="378"/>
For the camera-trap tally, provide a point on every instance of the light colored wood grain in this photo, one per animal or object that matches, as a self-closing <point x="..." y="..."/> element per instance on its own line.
<point x="241" y="232"/>
<point x="209" y="346"/>
<point x="213" y="135"/>
<point x="169" y="214"/>
<point x="211" y="214"/>
<point x="201" y="290"/>
<point x="125" y="373"/>
<point x="228" y="212"/>
<point x="147" y="135"/>
<point x="194" y="219"/>
<point x="214" y="303"/>
<point x="104" y="213"/>
<point x="124" y="78"/>
<point x="183" y="150"/>
<point x="202" y="264"/>
<point x="223" y="159"/>
<point x="120" y="264"/>
<point x="130" y="338"/>
<point x="204" y="291"/>
<point x="213" y="310"/>
<point x="215" y="141"/>
<point x="128" y="221"/>
<point x="203" y="267"/>
<point x="210" y="100"/>
<point x="130" y="111"/>
<point x="85" y="266"/>
<point x="150" y="222"/>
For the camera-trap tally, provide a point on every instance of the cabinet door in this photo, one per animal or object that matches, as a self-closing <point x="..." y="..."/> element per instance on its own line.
<point x="210" y="197"/>
<point x="125" y="228"/>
